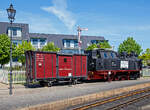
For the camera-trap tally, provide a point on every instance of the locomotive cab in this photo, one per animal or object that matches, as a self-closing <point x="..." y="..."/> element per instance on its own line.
<point x="102" y="59"/>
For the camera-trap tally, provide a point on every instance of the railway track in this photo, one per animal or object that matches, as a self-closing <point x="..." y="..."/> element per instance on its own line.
<point x="129" y="101"/>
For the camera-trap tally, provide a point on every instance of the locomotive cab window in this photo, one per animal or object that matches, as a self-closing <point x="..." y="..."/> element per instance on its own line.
<point x="112" y="55"/>
<point x="98" y="54"/>
<point x="105" y="55"/>
<point x="65" y="59"/>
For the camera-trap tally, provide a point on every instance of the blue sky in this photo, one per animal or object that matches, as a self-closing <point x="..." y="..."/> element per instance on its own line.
<point x="114" y="19"/>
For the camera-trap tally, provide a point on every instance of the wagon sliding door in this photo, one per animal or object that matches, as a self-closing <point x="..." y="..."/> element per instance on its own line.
<point x="65" y="66"/>
<point x="80" y="66"/>
<point x="50" y="65"/>
<point x="45" y="65"/>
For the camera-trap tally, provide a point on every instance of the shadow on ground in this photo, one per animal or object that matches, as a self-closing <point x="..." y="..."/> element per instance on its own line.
<point x="61" y="83"/>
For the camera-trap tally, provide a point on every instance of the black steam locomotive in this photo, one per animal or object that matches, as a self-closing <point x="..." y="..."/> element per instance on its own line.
<point x="108" y="64"/>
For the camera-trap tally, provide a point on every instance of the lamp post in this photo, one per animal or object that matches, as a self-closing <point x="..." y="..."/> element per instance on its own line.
<point x="11" y="16"/>
<point x="79" y="37"/>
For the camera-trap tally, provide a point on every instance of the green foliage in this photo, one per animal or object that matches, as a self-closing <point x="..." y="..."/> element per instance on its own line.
<point x="130" y="45"/>
<point x="50" y="47"/>
<point x="91" y="47"/>
<point x="102" y="45"/>
<point x="4" y="49"/>
<point x="146" y="57"/>
<point x="20" y="50"/>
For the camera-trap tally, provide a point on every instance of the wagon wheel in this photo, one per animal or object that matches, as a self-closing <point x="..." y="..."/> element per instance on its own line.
<point x="42" y="83"/>
<point x="49" y="84"/>
<point x="75" y="81"/>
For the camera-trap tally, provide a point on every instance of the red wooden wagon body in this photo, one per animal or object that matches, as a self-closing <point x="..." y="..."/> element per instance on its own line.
<point x="50" y="66"/>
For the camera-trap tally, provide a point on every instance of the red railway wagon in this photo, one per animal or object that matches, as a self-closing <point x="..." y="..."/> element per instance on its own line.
<point x="49" y="67"/>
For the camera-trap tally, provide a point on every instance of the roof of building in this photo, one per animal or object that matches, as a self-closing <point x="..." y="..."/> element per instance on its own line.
<point x="24" y="28"/>
<point x="58" y="38"/>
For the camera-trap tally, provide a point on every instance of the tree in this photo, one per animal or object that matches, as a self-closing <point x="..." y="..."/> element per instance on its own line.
<point x="146" y="57"/>
<point x="20" y="50"/>
<point x="102" y="45"/>
<point x="50" y="47"/>
<point x="130" y="45"/>
<point x="4" y="49"/>
<point x="91" y="47"/>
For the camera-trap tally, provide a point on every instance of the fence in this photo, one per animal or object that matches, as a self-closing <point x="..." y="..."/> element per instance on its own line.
<point x="18" y="76"/>
<point x="146" y="72"/>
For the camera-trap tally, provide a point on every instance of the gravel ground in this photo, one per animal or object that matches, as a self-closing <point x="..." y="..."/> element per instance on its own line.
<point x="23" y="97"/>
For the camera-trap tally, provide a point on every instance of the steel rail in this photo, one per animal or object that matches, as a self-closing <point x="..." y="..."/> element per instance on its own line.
<point x="127" y="102"/>
<point x="98" y="103"/>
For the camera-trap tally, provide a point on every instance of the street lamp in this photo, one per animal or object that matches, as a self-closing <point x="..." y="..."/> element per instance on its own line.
<point x="79" y="36"/>
<point x="11" y="16"/>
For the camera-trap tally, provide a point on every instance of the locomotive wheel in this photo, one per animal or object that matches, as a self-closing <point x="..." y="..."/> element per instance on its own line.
<point x="123" y="78"/>
<point x="116" y="78"/>
<point x="111" y="78"/>
<point x="135" y="77"/>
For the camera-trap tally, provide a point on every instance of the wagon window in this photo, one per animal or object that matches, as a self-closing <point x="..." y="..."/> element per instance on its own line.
<point x="65" y="59"/>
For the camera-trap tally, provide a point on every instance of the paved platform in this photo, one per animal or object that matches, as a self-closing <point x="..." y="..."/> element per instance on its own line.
<point x="23" y="97"/>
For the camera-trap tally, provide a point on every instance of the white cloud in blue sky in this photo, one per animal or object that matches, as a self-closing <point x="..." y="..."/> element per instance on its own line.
<point x="3" y="14"/>
<point x="59" y="9"/>
<point x="37" y="23"/>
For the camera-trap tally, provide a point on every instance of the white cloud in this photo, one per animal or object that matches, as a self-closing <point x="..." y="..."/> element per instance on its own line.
<point x="3" y="14"/>
<point x="59" y="9"/>
<point x="37" y="23"/>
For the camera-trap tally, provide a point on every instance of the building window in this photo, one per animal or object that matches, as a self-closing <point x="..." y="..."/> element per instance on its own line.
<point x="75" y="43"/>
<point x="38" y="42"/>
<point x="96" y="41"/>
<point x="35" y="41"/>
<point x="42" y="42"/>
<point x="16" y="31"/>
<point x="70" y="43"/>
